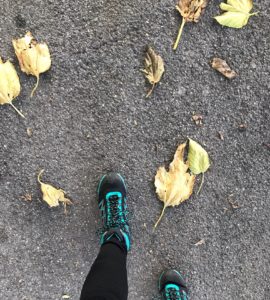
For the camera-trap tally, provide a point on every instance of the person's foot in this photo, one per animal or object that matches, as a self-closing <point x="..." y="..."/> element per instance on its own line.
<point x="112" y="204"/>
<point x="172" y="286"/>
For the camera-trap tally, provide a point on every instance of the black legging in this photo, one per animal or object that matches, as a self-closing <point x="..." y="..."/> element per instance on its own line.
<point x="107" y="279"/>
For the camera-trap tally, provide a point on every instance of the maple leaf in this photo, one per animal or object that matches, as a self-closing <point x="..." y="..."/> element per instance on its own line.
<point x="237" y="13"/>
<point x="51" y="195"/>
<point x="190" y="11"/>
<point x="176" y="185"/>
<point x="34" y="57"/>
<point x="153" y="68"/>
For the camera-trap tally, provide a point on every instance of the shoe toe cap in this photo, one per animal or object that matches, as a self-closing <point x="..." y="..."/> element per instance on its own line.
<point x="171" y="276"/>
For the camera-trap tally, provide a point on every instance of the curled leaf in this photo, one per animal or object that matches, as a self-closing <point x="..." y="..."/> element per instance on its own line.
<point x="237" y="13"/>
<point x="200" y="242"/>
<point x="221" y="66"/>
<point x="51" y="195"/>
<point x="190" y="10"/>
<point x="176" y="185"/>
<point x="198" y="160"/>
<point x="153" y="68"/>
<point x="10" y="86"/>
<point x="34" y="57"/>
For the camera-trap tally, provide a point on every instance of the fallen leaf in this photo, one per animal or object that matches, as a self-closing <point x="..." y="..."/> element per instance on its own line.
<point x="29" y="131"/>
<point x="51" y="195"/>
<point x="233" y="204"/>
<point x="65" y="297"/>
<point x="176" y="185"/>
<point x="10" y="86"/>
<point x="201" y="242"/>
<point x="242" y="127"/>
<point x="190" y="11"/>
<point x="197" y="119"/>
<point x="153" y="68"/>
<point x="27" y="197"/>
<point x="237" y="13"/>
<point x="220" y="135"/>
<point x="34" y="57"/>
<point x="221" y="66"/>
<point x="198" y="160"/>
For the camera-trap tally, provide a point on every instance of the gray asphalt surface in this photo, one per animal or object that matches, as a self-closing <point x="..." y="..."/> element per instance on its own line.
<point x="90" y="116"/>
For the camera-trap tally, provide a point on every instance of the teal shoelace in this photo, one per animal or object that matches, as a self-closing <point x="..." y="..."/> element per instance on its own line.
<point x="116" y="217"/>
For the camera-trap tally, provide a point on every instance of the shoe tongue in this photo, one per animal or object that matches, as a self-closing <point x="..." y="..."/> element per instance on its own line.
<point x="114" y="197"/>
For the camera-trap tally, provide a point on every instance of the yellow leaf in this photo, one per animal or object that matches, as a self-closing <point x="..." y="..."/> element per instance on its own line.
<point x="241" y="5"/>
<point x="51" y="195"/>
<point x="10" y="86"/>
<point x="198" y="160"/>
<point x="153" y="68"/>
<point x="176" y="185"/>
<point x="34" y="57"/>
<point x="191" y="11"/>
<point x="237" y="13"/>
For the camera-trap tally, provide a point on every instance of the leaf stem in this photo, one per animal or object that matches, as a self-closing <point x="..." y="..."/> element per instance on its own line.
<point x="35" y="87"/>
<point x="202" y="181"/>
<point x="160" y="217"/>
<point x="21" y="114"/>
<point x="151" y="90"/>
<point x="179" y="34"/>
<point x="39" y="175"/>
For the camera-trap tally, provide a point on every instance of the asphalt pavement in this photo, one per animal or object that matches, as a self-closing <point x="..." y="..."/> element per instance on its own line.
<point x="90" y="116"/>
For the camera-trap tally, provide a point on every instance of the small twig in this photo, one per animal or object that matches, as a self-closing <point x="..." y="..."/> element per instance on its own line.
<point x="21" y="114"/>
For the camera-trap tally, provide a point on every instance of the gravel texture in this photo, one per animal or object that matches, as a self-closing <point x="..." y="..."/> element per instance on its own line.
<point x="90" y="116"/>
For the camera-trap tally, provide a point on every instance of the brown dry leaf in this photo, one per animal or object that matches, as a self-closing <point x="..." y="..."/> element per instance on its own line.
<point x="51" y="195"/>
<point x="176" y="185"/>
<point x="198" y="119"/>
<point x="221" y="66"/>
<point x="27" y="197"/>
<point x="201" y="242"/>
<point x="220" y="135"/>
<point x="34" y="57"/>
<point x="191" y="11"/>
<point x="233" y="203"/>
<point x="153" y="68"/>
<point x="242" y="127"/>
<point x="29" y="131"/>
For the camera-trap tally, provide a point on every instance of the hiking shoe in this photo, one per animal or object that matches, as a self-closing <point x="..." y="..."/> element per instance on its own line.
<point x="112" y="204"/>
<point x="172" y="286"/>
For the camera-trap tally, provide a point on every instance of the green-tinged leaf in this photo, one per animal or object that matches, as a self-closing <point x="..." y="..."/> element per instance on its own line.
<point x="237" y="13"/>
<point x="198" y="158"/>
<point x="241" y="5"/>
<point x="233" y="19"/>
<point x="227" y="7"/>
